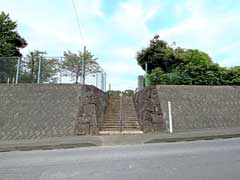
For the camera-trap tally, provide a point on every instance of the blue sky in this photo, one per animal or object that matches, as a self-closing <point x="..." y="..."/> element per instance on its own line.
<point x="114" y="30"/>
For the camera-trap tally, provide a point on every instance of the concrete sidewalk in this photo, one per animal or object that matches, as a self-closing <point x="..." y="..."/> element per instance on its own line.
<point x="109" y="140"/>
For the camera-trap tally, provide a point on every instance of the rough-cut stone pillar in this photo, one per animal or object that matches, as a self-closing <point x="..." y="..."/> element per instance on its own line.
<point x="92" y="105"/>
<point x="149" y="112"/>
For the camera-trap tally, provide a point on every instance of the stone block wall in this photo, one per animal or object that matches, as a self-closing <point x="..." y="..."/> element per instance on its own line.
<point x="199" y="107"/>
<point x="32" y="111"/>
<point x="193" y="107"/>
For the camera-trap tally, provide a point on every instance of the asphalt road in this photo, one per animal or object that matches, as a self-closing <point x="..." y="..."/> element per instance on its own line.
<point x="199" y="160"/>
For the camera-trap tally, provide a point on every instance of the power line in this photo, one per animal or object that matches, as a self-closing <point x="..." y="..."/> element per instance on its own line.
<point x="78" y="22"/>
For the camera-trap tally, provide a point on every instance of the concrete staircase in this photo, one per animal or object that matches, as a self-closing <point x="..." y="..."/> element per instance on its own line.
<point x="120" y="116"/>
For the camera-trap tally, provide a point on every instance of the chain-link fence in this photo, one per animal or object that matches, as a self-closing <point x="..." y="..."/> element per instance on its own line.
<point x="42" y="69"/>
<point x="8" y="69"/>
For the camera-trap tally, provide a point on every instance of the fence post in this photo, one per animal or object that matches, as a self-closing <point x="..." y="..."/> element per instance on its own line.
<point x="96" y="79"/>
<point x="170" y="117"/>
<point x="105" y="81"/>
<point x="39" y="69"/>
<point x="61" y="62"/>
<point x="18" y="66"/>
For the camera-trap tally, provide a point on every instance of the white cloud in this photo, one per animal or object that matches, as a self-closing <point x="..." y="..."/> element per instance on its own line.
<point x="131" y="17"/>
<point x="125" y="52"/>
<point x="207" y="30"/>
<point x="50" y="24"/>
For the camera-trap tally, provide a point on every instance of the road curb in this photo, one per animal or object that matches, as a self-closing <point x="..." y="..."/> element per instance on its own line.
<point x="196" y="138"/>
<point x="45" y="147"/>
<point x="112" y="140"/>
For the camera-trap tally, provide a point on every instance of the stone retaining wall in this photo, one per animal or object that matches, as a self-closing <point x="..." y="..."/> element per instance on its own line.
<point x="199" y="107"/>
<point x="32" y="111"/>
<point x="149" y="112"/>
<point x="92" y="106"/>
<point x="193" y="107"/>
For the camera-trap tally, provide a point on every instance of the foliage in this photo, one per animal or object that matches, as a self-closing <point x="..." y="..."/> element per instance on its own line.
<point x="128" y="92"/>
<point x="232" y="76"/>
<point x="73" y="64"/>
<point x="168" y="65"/>
<point x="29" y="73"/>
<point x="114" y="93"/>
<point x="158" y="54"/>
<point x="10" y="44"/>
<point x="159" y="77"/>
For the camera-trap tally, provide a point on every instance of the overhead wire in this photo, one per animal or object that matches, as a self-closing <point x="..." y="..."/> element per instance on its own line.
<point x="80" y="28"/>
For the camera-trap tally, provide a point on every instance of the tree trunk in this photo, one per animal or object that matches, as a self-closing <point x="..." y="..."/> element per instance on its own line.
<point x="76" y="79"/>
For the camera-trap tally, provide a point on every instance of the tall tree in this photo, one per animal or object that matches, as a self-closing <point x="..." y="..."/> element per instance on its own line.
<point x="73" y="64"/>
<point x="158" y="54"/>
<point x="171" y="65"/>
<point x="49" y="68"/>
<point x="10" y="44"/>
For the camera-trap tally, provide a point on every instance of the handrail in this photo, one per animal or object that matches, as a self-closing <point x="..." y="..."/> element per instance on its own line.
<point x="120" y="113"/>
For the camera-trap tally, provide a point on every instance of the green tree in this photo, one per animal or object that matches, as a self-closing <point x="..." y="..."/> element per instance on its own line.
<point x="49" y="68"/>
<point x="197" y="68"/>
<point x="10" y="44"/>
<point x="175" y="65"/>
<point x="231" y="76"/>
<point x="158" y="54"/>
<point x="73" y="64"/>
<point x="157" y="76"/>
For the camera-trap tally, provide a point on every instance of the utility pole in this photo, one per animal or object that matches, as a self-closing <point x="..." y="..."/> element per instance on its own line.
<point x="84" y="65"/>
<point x="39" y="65"/>
<point x="39" y="69"/>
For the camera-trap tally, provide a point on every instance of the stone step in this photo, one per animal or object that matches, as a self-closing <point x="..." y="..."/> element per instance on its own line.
<point x="114" y="101"/>
<point x="110" y="109"/>
<point x="124" y="120"/>
<point x="118" y="124"/>
<point x="118" y="129"/>
<point x="118" y="112"/>
<point x="128" y="114"/>
<point x="123" y="126"/>
<point x="112" y="132"/>
<point x="117" y="120"/>
<point x="111" y="112"/>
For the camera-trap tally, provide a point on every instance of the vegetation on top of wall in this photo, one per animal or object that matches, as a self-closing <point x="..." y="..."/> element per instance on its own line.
<point x="127" y="92"/>
<point x="175" y="65"/>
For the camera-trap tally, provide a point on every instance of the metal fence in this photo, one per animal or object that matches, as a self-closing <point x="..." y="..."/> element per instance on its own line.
<point x="46" y="70"/>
